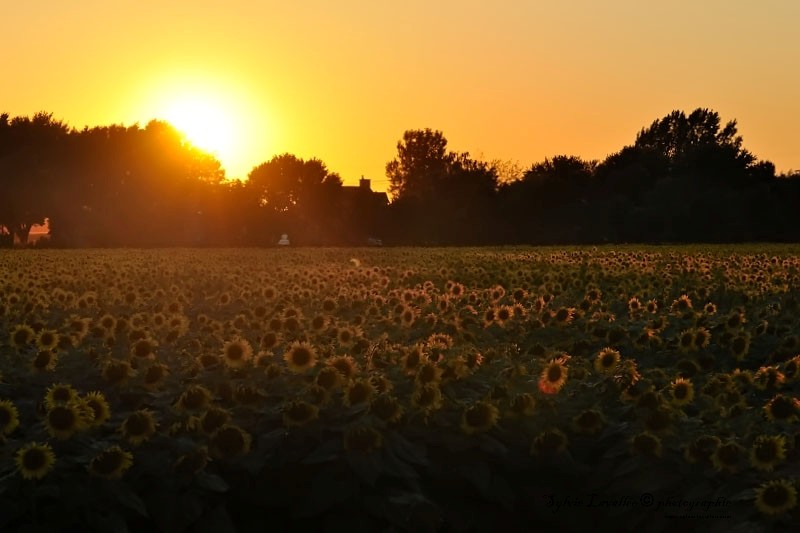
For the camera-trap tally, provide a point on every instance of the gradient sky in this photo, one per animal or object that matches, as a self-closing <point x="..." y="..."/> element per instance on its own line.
<point x="342" y="80"/>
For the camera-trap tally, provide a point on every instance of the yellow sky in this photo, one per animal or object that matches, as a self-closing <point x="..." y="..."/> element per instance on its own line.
<point x="342" y="80"/>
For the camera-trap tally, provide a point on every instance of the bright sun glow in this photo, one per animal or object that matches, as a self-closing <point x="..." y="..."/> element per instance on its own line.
<point x="206" y="124"/>
<point x="216" y="113"/>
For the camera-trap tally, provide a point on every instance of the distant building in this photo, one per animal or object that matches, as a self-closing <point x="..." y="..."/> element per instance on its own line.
<point x="364" y="212"/>
<point x="353" y="194"/>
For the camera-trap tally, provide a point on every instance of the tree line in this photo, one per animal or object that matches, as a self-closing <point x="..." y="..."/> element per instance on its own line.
<point x="685" y="178"/>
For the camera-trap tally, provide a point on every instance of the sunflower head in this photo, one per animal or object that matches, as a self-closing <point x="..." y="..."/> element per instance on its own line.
<point x="728" y="457"/>
<point x="22" y="336"/>
<point x="701" y="449"/>
<point x="299" y="413"/>
<point x="358" y="392"/>
<point x="237" y="353"/>
<point x="767" y="452"/>
<point x="646" y="443"/>
<point x="387" y="408"/>
<point x="194" y="398"/>
<point x="300" y="357"/>
<point x="549" y="443"/>
<point x="35" y="460"/>
<point x="60" y="394"/>
<point x="606" y="361"/>
<point x="44" y="361"/>
<point x="63" y="421"/>
<point x="776" y="497"/>
<point x="9" y="417"/>
<point x="345" y="364"/>
<point x="111" y="463"/>
<point x="782" y="408"/>
<point x="192" y="462"/>
<point x="479" y="417"/>
<point x="681" y="392"/>
<point x="523" y="404"/>
<point x="230" y="441"/>
<point x="590" y="421"/>
<point x="98" y="404"/>
<point x="139" y="426"/>
<point x="554" y="376"/>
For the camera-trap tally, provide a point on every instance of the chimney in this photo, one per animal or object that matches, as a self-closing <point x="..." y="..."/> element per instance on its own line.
<point x="364" y="184"/>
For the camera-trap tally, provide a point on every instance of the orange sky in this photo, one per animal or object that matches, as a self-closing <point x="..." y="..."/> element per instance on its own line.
<point x="341" y="81"/>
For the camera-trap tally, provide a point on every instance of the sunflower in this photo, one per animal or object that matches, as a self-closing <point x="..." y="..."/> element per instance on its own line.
<point x="155" y="375"/>
<point x="606" y="361"/>
<point x="548" y="443"/>
<point x="60" y="394"/>
<point x="139" y="426"/>
<point x="192" y="462"/>
<point x="230" y="441"/>
<point x="776" y="497"/>
<point x="209" y="361"/>
<point x="523" y="404"/>
<point x="682" y="305"/>
<point x="412" y="358"/>
<point x="782" y="408"/>
<point x="735" y="320"/>
<point x="768" y="377"/>
<point x="346" y="366"/>
<point x="63" y="421"/>
<point x="47" y="339"/>
<point x="554" y="376"/>
<point x="767" y="452"/>
<point x="237" y="353"/>
<point x="563" y="316"/>
<point x="701" y="338"/>
<point x="144" y="349"/>
<point x="740" y="345"/>
<point x="194" y="398"/>
<point x="362" y="439"/>
<point x="328" y="378"/>
<point x="479" y="418"/>
<point x="681" y="392"/>
<point x="701" y="449"/>
<point x="9" y="417"/>
<point x="428" y="373"/>
<point x="686" y="341"/>
<point x="387" y="408"/>
<point x="97" y="402"/>
<point x="300" y="357"/>
<point x="22" y="335"/>
<point x="727" y="457"/>
<point x="590" y="421"/>
<point x="117" y="372"/>
<point x="646" y="443"/>
<point x="35" y="460"/>
<point x="346" y="336"/>
<point x="44" y="361"/>
<point x="358" y="392"/>
<point x="299" y="413"/>
<point x="111" y="463"/>
<point x="427" y="397"/>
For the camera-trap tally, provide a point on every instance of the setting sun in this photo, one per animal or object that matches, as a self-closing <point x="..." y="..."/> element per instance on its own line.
<point x="206" y="124"/>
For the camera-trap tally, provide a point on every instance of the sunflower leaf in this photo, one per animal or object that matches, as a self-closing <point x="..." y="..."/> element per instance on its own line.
<point x="211" y="482"/>
<point x="125" y="496"/>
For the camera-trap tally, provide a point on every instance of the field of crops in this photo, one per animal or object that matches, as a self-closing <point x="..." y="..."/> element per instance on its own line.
<point x="400" y="389"/>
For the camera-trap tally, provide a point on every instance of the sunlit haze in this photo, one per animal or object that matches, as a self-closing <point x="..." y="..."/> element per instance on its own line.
<point x="341" y="81"/>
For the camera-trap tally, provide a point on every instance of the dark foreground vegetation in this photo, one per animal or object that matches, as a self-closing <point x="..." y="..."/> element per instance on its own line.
<point x="400" y="389"/>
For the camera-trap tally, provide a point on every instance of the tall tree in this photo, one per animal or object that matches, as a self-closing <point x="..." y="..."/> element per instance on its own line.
<point x="420" y="166"/>
<point x="32" y="150"/>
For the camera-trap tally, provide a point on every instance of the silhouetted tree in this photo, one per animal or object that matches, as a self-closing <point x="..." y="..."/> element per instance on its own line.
<point x="31" y="153"/>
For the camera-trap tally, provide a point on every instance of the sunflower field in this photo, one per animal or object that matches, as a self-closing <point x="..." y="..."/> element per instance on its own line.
<point x="400" y="389"/>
